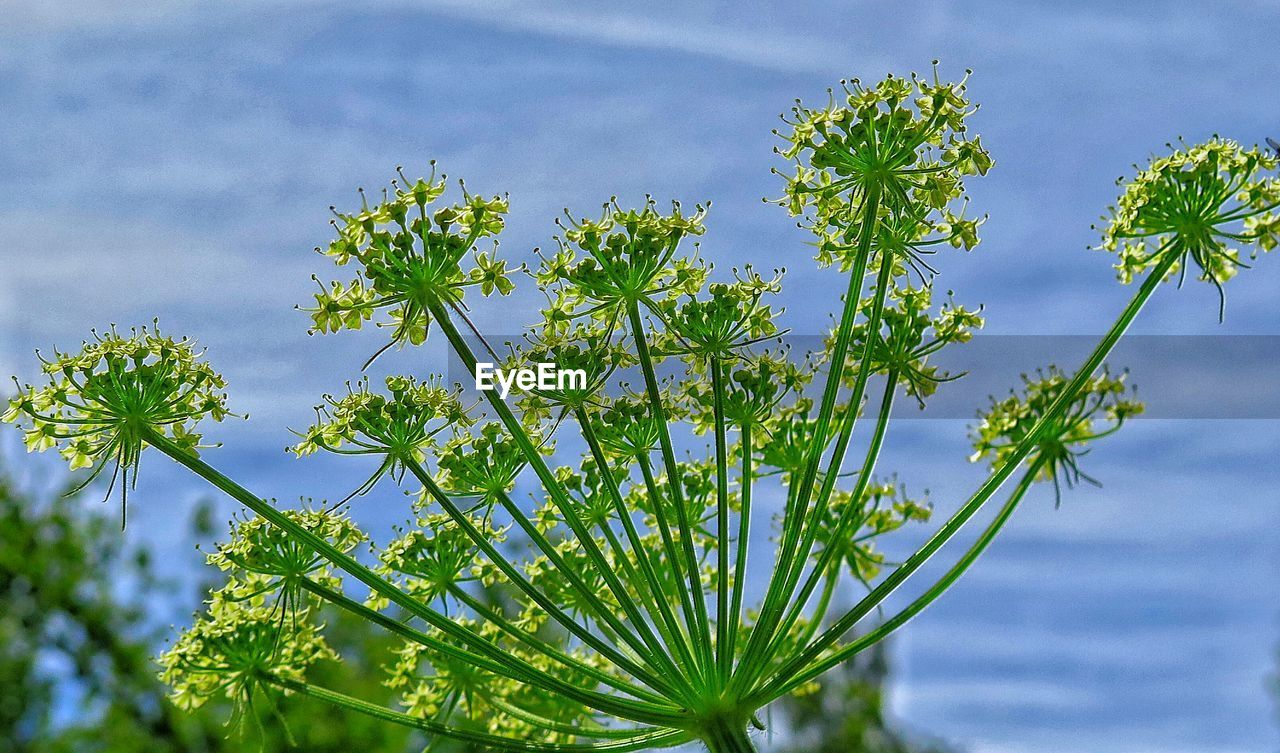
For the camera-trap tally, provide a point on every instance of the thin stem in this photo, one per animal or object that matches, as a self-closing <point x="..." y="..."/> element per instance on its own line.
<point x="744" y="532"/>
<point x="820" y="611"/>
<point x="645" y="738"/>
<point x="724" y="656"/>
<point x="408" y="632"/>
<point x="526" y="587"/>
<point x="647" y="644"/>
<point x="851" y="514"/>
<point x="883" y="630"/>
<point x="657" y="503"/>
<point x="673" y="483"/>
<point x="492" y="616"/>
<point x="995" y="480"/>
<point x="665" y="617"/>
<point x="883" y="281"/>
<point x="793" y="522"/>
<point x="511" y="666"/>
<point x="606" y="621"/>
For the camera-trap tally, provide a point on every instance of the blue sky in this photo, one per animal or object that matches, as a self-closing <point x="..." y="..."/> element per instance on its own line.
<point x="177" y="160"/>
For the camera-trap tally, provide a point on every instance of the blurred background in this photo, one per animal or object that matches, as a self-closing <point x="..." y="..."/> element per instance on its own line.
<point x="178" y="160"/>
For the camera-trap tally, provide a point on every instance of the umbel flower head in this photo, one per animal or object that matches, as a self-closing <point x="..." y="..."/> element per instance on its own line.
<point x="411" y="257"/>
<point x="588" y="350"/>
<point x="908" y="337"/>
<point x="234" y="650"/>
<point x="901" y="142"/>
<point x="732" y="316"/>
<point x="755" y="387"/>
<point x="883" y="507"/>
<point x="1200" y="204"/>
<point x="101" y="402"/>
<point x="626" y="427"/>
<point x="262" y="559"/>
<point x="483" y="464"/>
<point x="1097" y="411"/>
<point x="399" y="426"/>
<point x="625" y="256"/>
<point x="435" y="559"/>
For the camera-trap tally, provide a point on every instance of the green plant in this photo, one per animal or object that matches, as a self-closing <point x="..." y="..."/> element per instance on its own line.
<point x="627" y="625"/>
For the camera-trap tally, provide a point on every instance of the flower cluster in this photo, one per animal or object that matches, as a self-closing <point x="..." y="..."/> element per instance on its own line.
<point x="412" y="258"/>
<point x="586" y="350"/>
<point x="1202" y="204"/>
<point x="909" y="334"/>
<point x="901" y="144"/>
<point x="436" y="559"/>
<point x="849" y="527"/>
<point x="101" y="403"/>
<point x="792" y="433"/>
<point x="1098" y="410"/>
<point x="236" y="649"/>
<point x="623" y="257"/>
<point x="755" y="388"/>
<point x="730" y="317"/>
<point x="398" y="426"/>
<point x="261" y="558"/>
<point x="434" y="686"/>
<point x="627" y="427"/>
<point x="484" y="464"/>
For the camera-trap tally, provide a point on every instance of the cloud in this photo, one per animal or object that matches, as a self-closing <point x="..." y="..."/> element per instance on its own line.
<point x="27" y="18"/>
<point x="674" y="29"/>
<point x="99" y="266"/>
<point x="755" y="47"/>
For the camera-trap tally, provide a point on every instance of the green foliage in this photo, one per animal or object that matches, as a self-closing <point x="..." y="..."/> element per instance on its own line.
<point x="63" y="574"/>
<point x="624" y="622"/>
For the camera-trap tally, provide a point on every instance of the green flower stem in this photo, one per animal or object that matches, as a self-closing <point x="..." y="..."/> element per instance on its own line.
<point x="830" y="582"/>
<point x="518" y="580"/>
<point x="510" y="666"/>
<point x="882" y="630"/>
<point x="605" y="619"/>
<point x="845" y="527"/>
<point x="883" y="282"/>
<point x="669" y="545"/>
<point x="405" y="631"/>
<point x="724" y="655"/>
<point x="393" y="625"/>
<point x="532" y="641"/>
<point x="643" y="740"/>
<point x="551" y="725"/>
<point x="725" y="736"/>
<point x="647" y="645"/>
<point x="673" y="483"/>
<point x="665" y="618"/>
<point x="744" y="532"/>
<point x="994" y="481"/>
<point x="775" y="596"/>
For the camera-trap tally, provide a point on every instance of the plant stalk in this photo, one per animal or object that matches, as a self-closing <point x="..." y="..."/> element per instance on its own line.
<point x="505" y="663"/>
<point x="993" y="482"/>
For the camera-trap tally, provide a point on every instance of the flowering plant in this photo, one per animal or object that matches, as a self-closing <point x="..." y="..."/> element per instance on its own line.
<point x="627" y="619"/>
